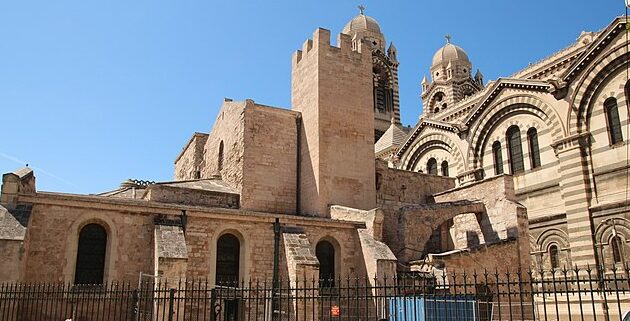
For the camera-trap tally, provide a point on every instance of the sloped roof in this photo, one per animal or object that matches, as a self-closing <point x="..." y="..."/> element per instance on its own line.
<point x="10" y="227"/>
<point x="393" y="137"/>
<point x="212" y="184"/>
<point x="124" y="192"/>
<point x="21" y="173"/>
<point x="137" y="192"/>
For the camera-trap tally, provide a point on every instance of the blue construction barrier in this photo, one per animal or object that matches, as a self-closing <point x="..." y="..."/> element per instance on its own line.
<point x="438" y="308"/>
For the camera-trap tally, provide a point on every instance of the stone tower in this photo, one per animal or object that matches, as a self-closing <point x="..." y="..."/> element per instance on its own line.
<point x="331" y="86"/>
<point x="451" y="80"/>
<point x="385" y="96"/>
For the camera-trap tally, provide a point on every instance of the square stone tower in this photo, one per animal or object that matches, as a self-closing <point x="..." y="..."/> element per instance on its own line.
<point x="332" y="88"/>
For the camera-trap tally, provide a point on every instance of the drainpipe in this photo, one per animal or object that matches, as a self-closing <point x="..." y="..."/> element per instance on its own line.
<point x="276" y="262"/>
<point x="298" y="162"/>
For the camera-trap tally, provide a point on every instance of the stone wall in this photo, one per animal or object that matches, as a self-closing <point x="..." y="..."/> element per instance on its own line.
<point x="188" y="162"/>
<point x="257" y="242"/>
<point x="417" y="222"/>
<point x="490" y="257"/>
<point x="332" y="88"/>
<point x="12" y="234"/>
<point x="10" y="260"/>
<point x="259" y="155"/>
<point x="397" y="188"/>
<point x="497" y="194"/>
<point x="228" y="128"/>
<point x="503" y="219"/>
<point x="269" y="159"/>
<point x="56" y="220"/>
<point x="52" y="239"/>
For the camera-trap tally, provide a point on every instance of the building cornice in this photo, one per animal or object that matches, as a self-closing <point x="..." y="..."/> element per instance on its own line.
<point x="596" y="47"/>
<point x="144" y="207"/>
<point x="419" y="128"/>
<point x="498" y="86"/>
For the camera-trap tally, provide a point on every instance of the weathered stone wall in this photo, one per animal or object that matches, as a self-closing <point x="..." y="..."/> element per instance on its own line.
<point x="259" y="155"/>
<point x="503" y="219"/>
<point x="497" y="194"/>
<point x="57" y="219"/>
<point x="270" y="158"/>
<point x="10" y="260"/>
<point x="228" y="128"/>
<point x="417" y="222"/>
<point x="373" y="218"/>
<point x="52" y="238"/>
<point x="397" y="188"/>
<point x="255" y="233"/>
<point x="503" y="256"/>
<point x="332" y="87"/>
<point x="171" y="256"/>
<point x="188" y="163"/>
<point x="299" y="257"/>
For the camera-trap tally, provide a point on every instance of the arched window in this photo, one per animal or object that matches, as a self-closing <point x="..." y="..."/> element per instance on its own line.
<point x="497" y="157"/>
<point x="325" y="253"/>
<point x="534" y="152"/>
<point x="612" y="116"/>
<point x="220" y="158"/>
<point x="553" y="256"/>
<point x="515" y="149"/>
<point x="617" y="249"/>
<point x="228" y="257"/>
<point x="90" y="265"/>
<point x="432" y="166"/>
<point x="627" y="92"/>
<point x="444" y="168"/>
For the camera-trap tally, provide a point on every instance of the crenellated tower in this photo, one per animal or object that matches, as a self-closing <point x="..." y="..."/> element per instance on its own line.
<point x="385" y="95"/>
<point x="451" y="80"/>
<point x="330" y="87"/>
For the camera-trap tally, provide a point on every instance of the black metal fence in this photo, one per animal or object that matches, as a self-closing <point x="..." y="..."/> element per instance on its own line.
<point x="565" y="294"/>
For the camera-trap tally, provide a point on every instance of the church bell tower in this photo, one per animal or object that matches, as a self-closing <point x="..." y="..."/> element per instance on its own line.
<point x="385" y="95"/>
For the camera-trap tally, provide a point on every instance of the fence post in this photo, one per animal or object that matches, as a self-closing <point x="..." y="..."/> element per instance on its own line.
<point x="171" y="301"/>
<point x="136" y="305"/>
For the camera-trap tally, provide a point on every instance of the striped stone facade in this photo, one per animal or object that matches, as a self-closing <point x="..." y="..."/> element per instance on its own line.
<point x="574" y="178"/>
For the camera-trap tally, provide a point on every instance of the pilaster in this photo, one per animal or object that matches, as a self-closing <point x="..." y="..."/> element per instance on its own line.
<point x="576" y="192"/>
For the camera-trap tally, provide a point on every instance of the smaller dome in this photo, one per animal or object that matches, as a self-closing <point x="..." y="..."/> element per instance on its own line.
<point x="361" y="23"/>
<point x="449" y="52"/>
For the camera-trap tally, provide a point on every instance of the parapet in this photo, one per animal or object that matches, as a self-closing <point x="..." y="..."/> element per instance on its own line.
<point x="321" y="41"/>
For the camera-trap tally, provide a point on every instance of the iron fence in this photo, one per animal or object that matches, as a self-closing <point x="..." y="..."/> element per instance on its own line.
<point x="562" y="294"/>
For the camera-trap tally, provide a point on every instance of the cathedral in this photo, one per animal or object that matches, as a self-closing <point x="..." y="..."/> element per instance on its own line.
<point x="530" y="168"/>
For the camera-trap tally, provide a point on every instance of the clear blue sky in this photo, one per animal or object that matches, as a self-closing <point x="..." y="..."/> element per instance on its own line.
<point x="95" y="92"/>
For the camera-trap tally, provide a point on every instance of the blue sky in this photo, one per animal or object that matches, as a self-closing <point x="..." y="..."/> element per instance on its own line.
<point x="95" y="92"/>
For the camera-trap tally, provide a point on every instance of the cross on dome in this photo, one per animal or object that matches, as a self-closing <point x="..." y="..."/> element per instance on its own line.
<point x="448" y="38"/>
<point x="361" y="9"/>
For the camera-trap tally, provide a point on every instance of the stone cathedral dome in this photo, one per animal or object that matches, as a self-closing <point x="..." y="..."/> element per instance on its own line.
<point x="449" y="53"/>
<point x="361" y="23"/>
<point x="365" y="28"/>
